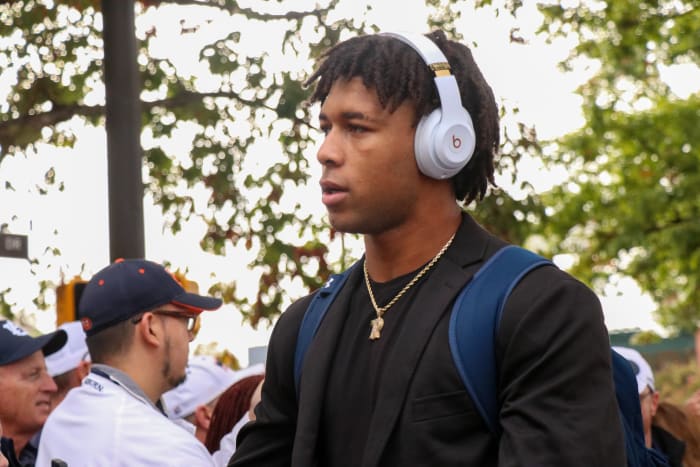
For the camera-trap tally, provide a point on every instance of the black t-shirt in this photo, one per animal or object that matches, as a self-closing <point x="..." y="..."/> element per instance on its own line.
<point x="357" y="370"/>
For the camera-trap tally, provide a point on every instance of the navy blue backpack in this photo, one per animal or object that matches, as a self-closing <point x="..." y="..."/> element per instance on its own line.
<point x="474" y="322"/>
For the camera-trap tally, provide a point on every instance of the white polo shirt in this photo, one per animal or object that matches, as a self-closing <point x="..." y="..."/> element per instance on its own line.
<point x="108" y="421"/>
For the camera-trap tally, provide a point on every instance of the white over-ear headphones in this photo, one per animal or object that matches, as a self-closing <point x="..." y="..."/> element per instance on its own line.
<point x="445" y="138"/>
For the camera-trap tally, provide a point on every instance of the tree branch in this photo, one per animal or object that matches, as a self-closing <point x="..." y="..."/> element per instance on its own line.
<point x="233" y="8"/>
<point x="61" y="113"/>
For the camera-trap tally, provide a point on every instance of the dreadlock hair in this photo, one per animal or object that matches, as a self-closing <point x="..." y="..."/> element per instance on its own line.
<point x="233" y="403"/>
<point x="397" y="73"/>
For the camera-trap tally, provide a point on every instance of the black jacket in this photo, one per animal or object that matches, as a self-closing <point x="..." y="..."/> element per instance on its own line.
<point x="668" y="444"/>
<point x="558" y="404"/>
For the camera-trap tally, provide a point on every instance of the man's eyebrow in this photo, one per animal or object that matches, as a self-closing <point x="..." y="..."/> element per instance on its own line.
<point x="349" y="116"/>
<point x="355" y="116"/>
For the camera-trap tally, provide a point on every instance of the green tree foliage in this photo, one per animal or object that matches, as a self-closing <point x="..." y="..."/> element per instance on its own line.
<point x="52" y="53"/>
<point x="631" y="204"/>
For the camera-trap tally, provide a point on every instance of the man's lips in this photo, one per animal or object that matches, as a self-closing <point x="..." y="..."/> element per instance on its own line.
<point x="332" y="193"/>
<point x="45" y="404"/>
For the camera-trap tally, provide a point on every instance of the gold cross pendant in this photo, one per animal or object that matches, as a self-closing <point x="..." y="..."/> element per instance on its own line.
<point x="377" y="325"/>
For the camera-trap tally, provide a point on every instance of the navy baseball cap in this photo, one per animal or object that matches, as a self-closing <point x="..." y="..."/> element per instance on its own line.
<point x="128" y="287"/>
<point x="16" y="344"/>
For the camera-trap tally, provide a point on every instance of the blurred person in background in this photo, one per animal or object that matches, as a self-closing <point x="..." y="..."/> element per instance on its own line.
<point x="139" y="322"/>
<point x="654" y="436"/>
<point x="71" y="364"/>
<point x="692" y="405"/>
<point x="232" y="412"/>
<point x="26" y="389"/>
<point x="673" y="419"/>
<point x="191" y="403"/>
<point x="233" y="406"/>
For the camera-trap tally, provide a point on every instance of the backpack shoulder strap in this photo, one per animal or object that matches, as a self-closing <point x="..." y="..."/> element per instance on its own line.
<point x="474" y="324"/>
<point x="313" y="316"/>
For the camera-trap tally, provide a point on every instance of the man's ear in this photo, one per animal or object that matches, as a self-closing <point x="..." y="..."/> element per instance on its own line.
<point x="82" y="369"/>
<point x="202" y="416"/>
<point x="149" y="329"/>
<point x="654" y="402"/>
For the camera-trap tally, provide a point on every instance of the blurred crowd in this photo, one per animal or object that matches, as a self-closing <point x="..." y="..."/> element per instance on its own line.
<point x="119" y="384"/>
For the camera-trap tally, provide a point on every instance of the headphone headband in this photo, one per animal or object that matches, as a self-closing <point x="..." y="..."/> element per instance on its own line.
<point x="445" y="139"/>
<point x="429" y="52"/>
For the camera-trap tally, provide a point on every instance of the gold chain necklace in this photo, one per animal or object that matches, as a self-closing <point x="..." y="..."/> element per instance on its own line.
<point x="378" y="322"/>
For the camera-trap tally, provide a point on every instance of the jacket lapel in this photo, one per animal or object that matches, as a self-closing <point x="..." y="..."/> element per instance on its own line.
<point x="432" y="301"/>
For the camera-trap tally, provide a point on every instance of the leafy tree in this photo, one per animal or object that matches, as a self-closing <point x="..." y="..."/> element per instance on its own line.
<point x="631" y="203"/>
<point x="235" y="103"/>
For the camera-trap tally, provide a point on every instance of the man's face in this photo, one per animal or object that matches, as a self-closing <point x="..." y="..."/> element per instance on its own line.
<point x="25" y="395"/>
<point x="370" y="177"/>
<point x="177" y="340"/>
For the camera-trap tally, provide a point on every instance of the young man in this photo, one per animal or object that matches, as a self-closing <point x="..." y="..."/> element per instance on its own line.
<point x="378" y="384"/>
<point x="26" y="389"/>
<point x="139" y="322"/>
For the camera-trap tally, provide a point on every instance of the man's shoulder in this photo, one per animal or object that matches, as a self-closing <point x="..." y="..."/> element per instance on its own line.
<point x="153" y="436"/>
<point x="550" y="278"/>
<point x="84" y="408"/>
<point x="142" y="434"/>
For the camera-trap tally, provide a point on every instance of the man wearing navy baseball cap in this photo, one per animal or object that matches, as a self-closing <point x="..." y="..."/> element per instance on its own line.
<point x="25" y="389"/>
<point x="139" y="322"/>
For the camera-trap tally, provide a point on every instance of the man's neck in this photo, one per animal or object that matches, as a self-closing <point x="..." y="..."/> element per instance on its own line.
<point x="394" y="253"/>
<point x="134" y="366"/>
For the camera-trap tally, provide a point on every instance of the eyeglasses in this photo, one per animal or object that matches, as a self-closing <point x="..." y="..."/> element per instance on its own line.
<point x="192" y="321"/>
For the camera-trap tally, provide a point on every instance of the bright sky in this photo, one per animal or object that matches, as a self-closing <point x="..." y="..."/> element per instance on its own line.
<point x="75" y="220"/>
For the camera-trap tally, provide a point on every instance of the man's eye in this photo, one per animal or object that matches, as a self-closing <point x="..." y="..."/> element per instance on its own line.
<point x="356" y="129"/>
<point x="325" y="129"/>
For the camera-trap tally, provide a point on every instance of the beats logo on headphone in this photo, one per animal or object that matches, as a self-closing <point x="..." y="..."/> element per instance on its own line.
<point x="445" y="138"/>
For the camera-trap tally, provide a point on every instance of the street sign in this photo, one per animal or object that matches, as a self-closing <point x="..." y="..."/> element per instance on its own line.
<point x="14" y="246"/>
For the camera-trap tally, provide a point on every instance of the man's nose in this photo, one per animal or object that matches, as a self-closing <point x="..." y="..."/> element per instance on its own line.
<point x="47" y="383"/>
<point x="330" y="152"/>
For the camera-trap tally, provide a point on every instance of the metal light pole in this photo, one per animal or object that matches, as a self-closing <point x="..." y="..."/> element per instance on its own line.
<point x="124" y="153"/>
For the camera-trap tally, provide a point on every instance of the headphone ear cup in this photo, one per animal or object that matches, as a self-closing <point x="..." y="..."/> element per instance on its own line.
<point x="443" y="148"/>
<point x="424" y="146"/>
